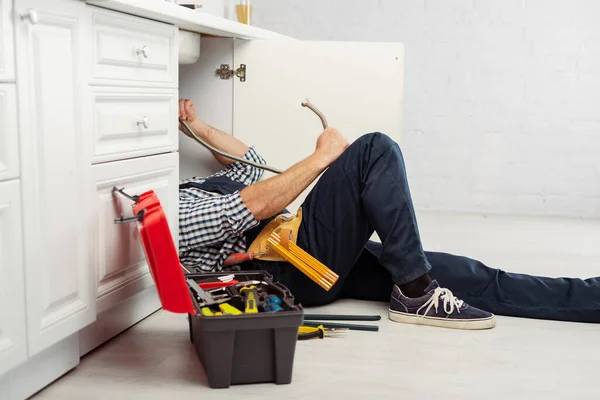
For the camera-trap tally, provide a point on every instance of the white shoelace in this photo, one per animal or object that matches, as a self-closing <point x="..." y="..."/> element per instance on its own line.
<point x="450" y="302"/>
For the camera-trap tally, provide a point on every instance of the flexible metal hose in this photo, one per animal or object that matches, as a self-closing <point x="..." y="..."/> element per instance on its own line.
<point x="230" y="156"/>
<point x="193" y="135"/>
<point x="314" y="109"/>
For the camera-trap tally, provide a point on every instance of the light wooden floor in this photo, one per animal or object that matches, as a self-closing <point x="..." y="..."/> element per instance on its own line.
<point x="520" y="359"/>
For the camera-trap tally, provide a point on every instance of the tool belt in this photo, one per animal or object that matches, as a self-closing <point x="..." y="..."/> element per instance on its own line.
<point x="286" y="225"/>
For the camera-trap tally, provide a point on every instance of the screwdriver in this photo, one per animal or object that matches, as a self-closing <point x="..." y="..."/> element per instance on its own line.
<point x="238" y="258"/>
<point x="251" y="295"/>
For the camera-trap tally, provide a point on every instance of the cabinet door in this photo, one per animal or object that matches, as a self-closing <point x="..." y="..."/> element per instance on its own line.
<point x="357" y="86"/>
<point x="9" y="135"/>
<point x="7" y="65"/>
<point x="120" y="263"/>
<point x="13" y="349"/>
<point x="56" y="156"/>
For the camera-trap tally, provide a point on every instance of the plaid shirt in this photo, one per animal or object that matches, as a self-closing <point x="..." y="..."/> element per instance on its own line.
<point x="211" y="225"/>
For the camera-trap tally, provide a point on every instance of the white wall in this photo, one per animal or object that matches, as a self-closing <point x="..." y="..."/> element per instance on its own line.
<point x="502" y="97"/>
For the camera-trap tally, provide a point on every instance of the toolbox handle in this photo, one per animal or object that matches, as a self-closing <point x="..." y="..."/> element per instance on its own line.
<point x="138" y="217"/>
<point x="134" y="198"/>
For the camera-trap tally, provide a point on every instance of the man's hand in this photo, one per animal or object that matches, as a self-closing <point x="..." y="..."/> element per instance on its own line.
<point x="187" y="112"/>
<point x="330" y="145"/>
<point x="214" y="137"/>
<point x="265" y="199"/>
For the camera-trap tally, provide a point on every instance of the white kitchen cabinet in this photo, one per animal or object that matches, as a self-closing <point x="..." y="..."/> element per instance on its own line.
<point x="9" y="137"/>
<point x="119" y="262"/>
<point x="13" y="347"/>
<point x="54" y="63"/>
<point x="7" y="65"/>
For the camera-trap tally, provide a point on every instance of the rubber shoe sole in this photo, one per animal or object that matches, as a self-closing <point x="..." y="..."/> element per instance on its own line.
<point x="471" y="324"/>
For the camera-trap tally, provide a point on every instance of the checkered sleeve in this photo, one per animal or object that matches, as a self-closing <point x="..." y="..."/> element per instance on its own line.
<point x="212" y="220"/>
<point x="243" y="173"/>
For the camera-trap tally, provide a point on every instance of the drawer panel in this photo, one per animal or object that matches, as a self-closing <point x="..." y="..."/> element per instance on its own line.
<point x="133" y="51"/>
<point x="9" y="139"/>
<point x="120" y="264"/>
<point x="131" y="124"/>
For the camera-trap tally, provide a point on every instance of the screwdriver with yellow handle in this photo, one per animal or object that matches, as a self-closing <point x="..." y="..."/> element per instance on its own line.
<point x="251" y="299"/>
<point x="317" y="332"/>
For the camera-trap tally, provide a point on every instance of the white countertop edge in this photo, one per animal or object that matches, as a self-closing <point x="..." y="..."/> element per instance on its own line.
<point x="186" y="18"/>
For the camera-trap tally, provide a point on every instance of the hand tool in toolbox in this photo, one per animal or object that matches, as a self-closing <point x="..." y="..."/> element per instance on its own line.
<point x="228" y="309"/>
<point x="317" y="332"/>
<point x="271" y="303"/>
<point x="250" y="295"/>
<point x="204" y="297"/>
<point x="217" y="285"/>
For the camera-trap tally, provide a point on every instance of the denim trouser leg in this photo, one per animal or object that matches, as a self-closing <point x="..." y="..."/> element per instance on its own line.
<point x="364" y="190"/>
<point x="519" y="295"/>
<point x="494" y="290"/>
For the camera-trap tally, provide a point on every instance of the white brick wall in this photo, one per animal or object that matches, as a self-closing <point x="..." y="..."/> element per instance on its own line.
<point x="502" y="97"/>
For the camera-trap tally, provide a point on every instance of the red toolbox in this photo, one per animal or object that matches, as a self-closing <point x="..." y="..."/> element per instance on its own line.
<point x="234" y="349"/>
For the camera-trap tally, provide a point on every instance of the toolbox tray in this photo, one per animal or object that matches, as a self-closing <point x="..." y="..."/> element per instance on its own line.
<point x="247" y="348"/>
<point x="234" y="349"/>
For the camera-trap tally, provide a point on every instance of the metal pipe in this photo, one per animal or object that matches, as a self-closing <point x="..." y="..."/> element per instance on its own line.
<point x="193" y="135"/>
<point x="314" y="109"/>
<point x="232" y="157"/>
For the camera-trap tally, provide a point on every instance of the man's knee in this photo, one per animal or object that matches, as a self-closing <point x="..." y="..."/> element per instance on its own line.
<point x="377" y="140"/>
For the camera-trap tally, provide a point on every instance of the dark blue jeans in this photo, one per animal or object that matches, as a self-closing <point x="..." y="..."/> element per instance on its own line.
<point x="366" y="190"/>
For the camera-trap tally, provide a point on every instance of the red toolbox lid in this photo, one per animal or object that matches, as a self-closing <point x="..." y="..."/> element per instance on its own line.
<point x="161" y="255"/>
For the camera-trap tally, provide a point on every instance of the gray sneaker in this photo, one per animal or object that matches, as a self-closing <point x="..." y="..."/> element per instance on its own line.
<point x="438" y="307"/>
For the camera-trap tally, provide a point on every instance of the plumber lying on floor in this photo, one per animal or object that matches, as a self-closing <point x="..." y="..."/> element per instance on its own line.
<point x="364" y="189"/>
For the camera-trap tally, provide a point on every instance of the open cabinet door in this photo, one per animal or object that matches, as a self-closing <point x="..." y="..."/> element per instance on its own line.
<point x="357" y="86"/>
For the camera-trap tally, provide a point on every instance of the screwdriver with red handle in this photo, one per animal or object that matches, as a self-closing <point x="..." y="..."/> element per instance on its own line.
<point x="238" y="258"/>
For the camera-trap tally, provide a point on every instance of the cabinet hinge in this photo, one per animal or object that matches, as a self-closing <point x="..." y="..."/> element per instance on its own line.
<point x="225" y="72"/>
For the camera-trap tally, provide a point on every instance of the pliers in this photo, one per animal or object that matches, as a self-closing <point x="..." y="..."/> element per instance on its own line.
<point x="317" y="332"/>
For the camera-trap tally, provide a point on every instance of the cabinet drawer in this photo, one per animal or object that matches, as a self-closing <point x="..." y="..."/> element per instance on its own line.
<point x="9" y="141"/>
<point x="133" y="51"/>
<point x="119" y="260"/>
<point x="7" y="62"/>
<point x="131" y="124"/>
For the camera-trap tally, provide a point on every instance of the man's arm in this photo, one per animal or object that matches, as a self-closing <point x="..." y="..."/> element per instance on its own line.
<point x="267" y="198"/>
<point x="214" y="137"/>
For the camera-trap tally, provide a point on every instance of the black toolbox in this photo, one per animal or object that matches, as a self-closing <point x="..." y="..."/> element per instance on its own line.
<point x="247" y="348"/>
<point x="234" y="349"/>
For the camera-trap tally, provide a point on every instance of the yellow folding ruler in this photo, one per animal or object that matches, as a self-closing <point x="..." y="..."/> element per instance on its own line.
<point x="300" y="259"/>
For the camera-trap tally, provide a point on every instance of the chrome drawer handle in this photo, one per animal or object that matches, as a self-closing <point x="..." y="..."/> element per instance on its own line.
<point x="143" y="51"/>
<point x="143" y="122"/>
<point x="31" y="15"/>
